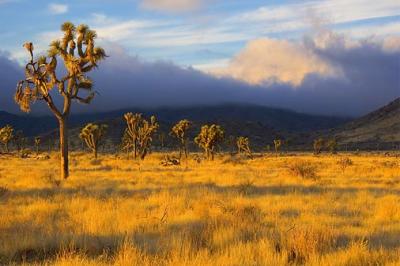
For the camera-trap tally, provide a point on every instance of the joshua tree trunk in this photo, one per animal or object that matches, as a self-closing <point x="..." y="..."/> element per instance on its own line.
<point x="6" y="147"/>
<point x="64" y="148"/>
<point x="95" y="152"/>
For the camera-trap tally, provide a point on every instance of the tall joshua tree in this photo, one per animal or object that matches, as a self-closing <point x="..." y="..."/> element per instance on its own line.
<point x="179" y="130"/>
<point x="92" y="134"/>
<point x="41" y="77"/>
<point x="277" y="145"/>
<point x="317" y="145"/>
<point x="37" y="141"/>
<point x="208" y="139"/>
<point x="6" y="135"/>
<point x="243" y="145"/>
<point x="146" y="131"/>
<point x="132" y="132"/>
<point x="138" y="134"/>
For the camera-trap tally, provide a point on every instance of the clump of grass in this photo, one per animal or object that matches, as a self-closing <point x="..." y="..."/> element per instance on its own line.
<point x="303" y="243"/>
<point x="390" y="164"/>
<point x="49" y="178"/>
<point x="3" y="191"/>
<point x="246" y="188"/>
<point x="235" y="160"/>
<point x="344" y="163"/>
<point x="95" y="162"/>
<point x="303" y="169"/>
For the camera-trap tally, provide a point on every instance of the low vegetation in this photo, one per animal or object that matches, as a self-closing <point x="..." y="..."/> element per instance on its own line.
<point x="253" y="212"/>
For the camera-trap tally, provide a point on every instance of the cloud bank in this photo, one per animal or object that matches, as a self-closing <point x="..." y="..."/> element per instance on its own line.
<point x="325" y="74"/>
<point x="171" y="6"/>
<point x="57" y="9"/>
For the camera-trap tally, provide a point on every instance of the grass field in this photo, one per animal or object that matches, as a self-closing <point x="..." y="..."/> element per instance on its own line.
<point x="302" y="209"/>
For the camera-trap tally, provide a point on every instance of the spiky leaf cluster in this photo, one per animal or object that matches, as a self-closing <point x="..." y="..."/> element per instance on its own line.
<point x="243" y="145"/>
<point x="92" y="134"/>
<point x="208" y="138"/>
<point x="41" y="73"/>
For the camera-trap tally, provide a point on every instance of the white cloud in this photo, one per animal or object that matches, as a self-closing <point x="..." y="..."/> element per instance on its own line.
<point x="174" y="6"/>
<point x="269" y="60"/>
<point x="58" y="8"/>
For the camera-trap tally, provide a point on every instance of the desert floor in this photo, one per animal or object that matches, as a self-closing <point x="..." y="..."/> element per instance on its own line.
<point x="271" y="210"/>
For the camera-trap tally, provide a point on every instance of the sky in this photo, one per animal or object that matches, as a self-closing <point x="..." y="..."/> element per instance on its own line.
<point x="331" y="57"/>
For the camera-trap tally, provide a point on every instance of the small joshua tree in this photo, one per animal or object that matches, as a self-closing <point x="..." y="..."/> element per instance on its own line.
<point x="19" y="140"/>
<point x="78" y="52"/>
<point x="179" y="130"/>
<point x="317" y="145"/>
<point x="243" y="145"/>
<point x="146" y="131"/>
<point x="331" y="145"/>
<point x="131" y="133"/>
<point x="92" y="134"/>
<point x="208" y="139"/>
<point x="278" y="144"/>
<point x="37" y="144"/>
<point x="6" y="135"/>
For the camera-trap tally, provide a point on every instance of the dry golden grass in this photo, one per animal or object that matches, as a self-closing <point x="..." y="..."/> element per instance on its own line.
<point x="228" y="212"/>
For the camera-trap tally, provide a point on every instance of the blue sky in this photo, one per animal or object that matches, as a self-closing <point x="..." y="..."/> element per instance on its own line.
<point x="333" y="57"/>
<point x="199" y="33"/>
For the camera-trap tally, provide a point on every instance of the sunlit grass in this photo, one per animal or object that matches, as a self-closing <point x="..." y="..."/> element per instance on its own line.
<point x="115" y="211"/>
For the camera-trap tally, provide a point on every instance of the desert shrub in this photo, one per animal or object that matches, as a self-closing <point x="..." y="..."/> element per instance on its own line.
<point x="95" y="162"/>
<point x="3" y="191"/>
<point x="344" y="163"/>
<point x="25" y="153"/>
<point x="302" y="243"/>
<point x="49" y="178"/>
<point x="235" y="160"/>
<point x="390" y="164"/>
<point x="246" y="188"/>
<point x="303" y="169"/>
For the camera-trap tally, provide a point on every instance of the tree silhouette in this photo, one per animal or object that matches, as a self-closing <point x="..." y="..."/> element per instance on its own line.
<point x="278" y="144"/>
<point x="6" y="135"/>
<point x="208" y="139"/>
<point x="317" y="145"/>
<point x="37" y="141"/>
<point x="179" y="130"/>
<point x="243" y="145"/>
<point x="131" y="134"/>
<point x="41" y="78"/>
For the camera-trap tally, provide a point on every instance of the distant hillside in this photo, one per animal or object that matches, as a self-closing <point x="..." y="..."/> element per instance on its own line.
<point x="379" y="127"/>
<point x="278" y="119"/>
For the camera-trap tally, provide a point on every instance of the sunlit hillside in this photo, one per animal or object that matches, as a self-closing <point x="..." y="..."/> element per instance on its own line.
<point x="270" y="210"/>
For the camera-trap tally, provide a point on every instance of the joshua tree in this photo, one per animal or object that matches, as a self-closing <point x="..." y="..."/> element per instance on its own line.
<point x="92" y="134"/>
<point x="139" y="134"/>
<point x="6" y="135"/>
<point x="145" y="137"/>
<point x="179" y="130"/>
<point x="41" y="77"/>
<point x="332" y="145"/>
<point x="278" y="144"/>
<point x="242" y="144"/>
<point x="318" y="144"/>
<point x="131" y="133"/>
<point x="37" y="144"/>
<point x="19" y="140"/>
<point x="208" y="139"/>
